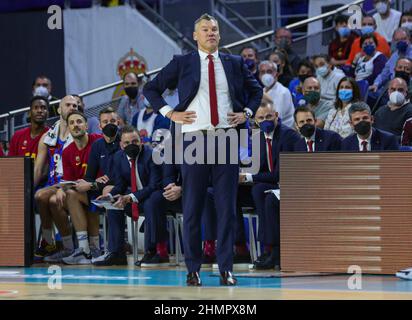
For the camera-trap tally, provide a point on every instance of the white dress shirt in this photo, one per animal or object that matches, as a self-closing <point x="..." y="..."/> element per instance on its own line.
<point x="360" y="140"/>
<point x="283" y="102"/>
<point x="201" y="102"/>
<point x="249" y="177"/>
<point x="139" y="182"/>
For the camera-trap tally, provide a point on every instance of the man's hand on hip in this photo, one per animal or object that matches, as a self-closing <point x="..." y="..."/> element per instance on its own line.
<point x="236" y="118"/>
<point x="182" y="117"/>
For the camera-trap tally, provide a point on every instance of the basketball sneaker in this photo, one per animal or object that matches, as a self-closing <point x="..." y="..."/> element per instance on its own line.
<point x="78" y="257"/>
<point x="44" y="250"/>
<point x="58" y="256"/>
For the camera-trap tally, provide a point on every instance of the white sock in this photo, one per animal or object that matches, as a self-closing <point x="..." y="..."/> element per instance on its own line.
<point x="47" y="235"/>
<point x="68" y="242"/>
<point x="94" y="241"/>
<point x="83" y="240"/>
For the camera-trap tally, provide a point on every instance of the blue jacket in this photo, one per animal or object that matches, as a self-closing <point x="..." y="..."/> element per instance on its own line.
<point x="284" y="139"/>
<point x="380" y="140"/>
<point x="149" y="173"/>
<point x="183" y="73"/>
<point x="325" y="140"/>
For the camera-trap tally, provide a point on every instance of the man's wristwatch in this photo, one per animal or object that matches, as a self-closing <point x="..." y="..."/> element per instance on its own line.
<point x="247" y="114"/>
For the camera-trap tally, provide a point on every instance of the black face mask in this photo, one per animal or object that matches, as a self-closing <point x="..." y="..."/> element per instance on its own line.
<point x="362" y="128"/>
<point x="403" y="75"/>
<point x="307" y="130"/>
<point x="303" y="77"/>
<point x="133" y="150"/>
<point x="110" y="130"/>
<point x="131" y="92"/>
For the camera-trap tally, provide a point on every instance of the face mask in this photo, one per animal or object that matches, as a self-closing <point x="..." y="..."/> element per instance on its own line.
<point x="396" y="98"/>
<point x="312" y="97"/>
<point x="268" y="80"/>
<point x="344" y="32"/>
<point x="345" y="95"/>
<point x="307" y="130"/>
<point x="322" y="71"/>
<point x="402" y="46"/>
<point x="110" y="130"/>
<point x="131" y="92"/>
<point x="284" y="44"/>
<point x="369" y="49"/>
<point x="381" y="7"/>
<point x="407" y="25"/>
<point x="404" y="75"/>
<point x="367" y="29"/>
<point x="250" y="64"/>
<point x="41" y="91"/>
<point x="303" y="77"/>
<point x="133" y="151"/>
<point x="267" y="126"/>
<point x="362" y="128"/>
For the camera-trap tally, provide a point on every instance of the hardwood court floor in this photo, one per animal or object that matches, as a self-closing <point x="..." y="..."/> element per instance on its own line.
<point x="87" y="282"/>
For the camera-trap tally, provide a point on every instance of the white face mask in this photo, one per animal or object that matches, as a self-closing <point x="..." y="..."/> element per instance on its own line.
<point x="396" y="98"/>
<point x="268" y="80"/>
<point x="407" y="25"/>
<point x="381" y="7"/>
<point x="322" y="71"/>
<point x="41" y="91"/>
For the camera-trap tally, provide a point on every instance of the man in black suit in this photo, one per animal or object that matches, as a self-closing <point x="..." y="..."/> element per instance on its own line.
<point x="314" y="139"/>
<point x="365" y="137"/>
<point x="274" y="138"/>
<point x="216" y="92"/>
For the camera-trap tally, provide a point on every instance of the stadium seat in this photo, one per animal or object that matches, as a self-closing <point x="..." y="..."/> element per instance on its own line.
<point x="364" y="88"/>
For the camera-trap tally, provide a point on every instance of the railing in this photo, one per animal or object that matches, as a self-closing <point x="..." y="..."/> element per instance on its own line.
<point x="8" y="117"/>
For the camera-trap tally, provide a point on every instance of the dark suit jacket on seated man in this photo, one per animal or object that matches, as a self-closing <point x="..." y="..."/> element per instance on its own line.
<point x="365" y="137"/>
<point x="314" y="139"/>
<point x="212" y="88"/>
<point x="134" y="197"/>
<point x="275" y="138"/>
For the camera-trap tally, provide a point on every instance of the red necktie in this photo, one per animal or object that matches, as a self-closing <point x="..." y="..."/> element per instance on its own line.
<point x="135" y="206"/>
<point x="269" y="143"/>
<point x="310" y="145"/>
<point x="364" y="144"/>
<point x="214" y="117"/>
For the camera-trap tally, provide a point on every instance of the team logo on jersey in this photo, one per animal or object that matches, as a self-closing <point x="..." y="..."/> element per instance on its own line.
<point x="78" y="160"/>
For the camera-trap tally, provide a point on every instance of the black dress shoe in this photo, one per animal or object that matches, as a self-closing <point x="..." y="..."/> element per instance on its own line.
<point x="147" y="257"/>
<point x="272" y="261"/>
<point x="110" y="259"/>
<point x="227" y="279"/>
<point x="193" y="279"/>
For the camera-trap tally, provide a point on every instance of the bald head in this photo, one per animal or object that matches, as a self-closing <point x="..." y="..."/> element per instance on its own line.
<point x="66" y="106"/>
<point x="311" y="84"/>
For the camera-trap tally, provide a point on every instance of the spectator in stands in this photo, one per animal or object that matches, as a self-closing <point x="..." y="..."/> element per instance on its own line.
<point x="406" y="137"/>
<point x="369" y="26"/>
<point x="132" y="103"/>
<point x="406" y="20"/>
<point x="365" y="137"/>
<point x="305" y="70"/>
<point x="49" y="159"/>
<point x="387" y="19"/>
<point x="136" y="179"/>
<point x="284" y="71"/>
<point x="75" y="158"/>
<point x="25" y="141"/>
<point x="282" y="99"/>
<point x="274" y="138"/>
<point x="338" y="118"/>
<point x="403" y="70"/>
<point x="147" y="122"/>
<point x="321" y="107"/>
<point x="42" y="86"/>
<point x="340" y="47"/>
<point x="313" y="139"/>
<point x="392" y="117"/>
<point x="250" y="56"/>
<point x="93" y="125"/>
<point x="369" y="63"/>
<point x="328" y="76"/>
<point x="283" y="40"/>
<point x="402" y="39"/>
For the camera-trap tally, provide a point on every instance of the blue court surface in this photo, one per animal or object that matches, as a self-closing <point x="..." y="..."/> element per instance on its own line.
<point x="81" y="282"/>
